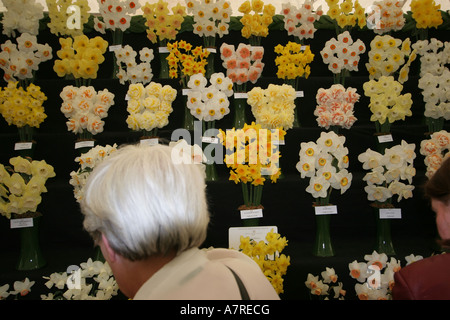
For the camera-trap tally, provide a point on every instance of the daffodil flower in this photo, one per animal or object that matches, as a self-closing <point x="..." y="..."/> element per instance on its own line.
<point x="22" y="287"/>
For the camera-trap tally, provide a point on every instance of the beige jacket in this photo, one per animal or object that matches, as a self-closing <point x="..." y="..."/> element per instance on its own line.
<point x="203" y="275"/>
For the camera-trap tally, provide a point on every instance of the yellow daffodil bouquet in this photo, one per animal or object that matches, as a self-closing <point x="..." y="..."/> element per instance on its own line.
<point x="256" y="24"/>
<point x="435" y="150"/>
<point x="346" y="15"/>
<point x="20" y="61"/>
<point x="185" y="61"/>
<point x="252" y="155"/>
<point x="149" y="107"/>
<point x="23" y="108"/>
<point x="80" y="58"/>
<point x="387" y="103"/>
<point x="21" y="186"/>
<point x="426" y="14"/>
<point x="325" y="162"/>
<point x="299" y="22"/>
<point x="267" y="254"/>
<point x="67" y="18"/>
<point x="273" y="107"/>
<point x="87" y="162"/>
<point x="293" y="61"/>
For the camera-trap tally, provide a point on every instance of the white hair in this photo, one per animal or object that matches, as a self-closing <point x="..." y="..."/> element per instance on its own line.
<point x="144" y="203"/>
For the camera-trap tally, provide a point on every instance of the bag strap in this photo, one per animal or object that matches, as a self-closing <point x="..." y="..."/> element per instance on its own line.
<point x="242" y="290"/>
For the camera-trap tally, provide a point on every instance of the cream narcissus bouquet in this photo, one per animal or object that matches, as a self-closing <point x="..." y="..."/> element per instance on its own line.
<point x="87" y="162"/>
<point x="85" y="108"/>
<point x="64" y="18"/>
<point x="80" y="57"/>
<point x="253" y="157"/>
<point x="185" y="60"/>
<point x="343" y="15"/>
<point x="387" y="54"/>
<point x="267" y="254"/>
<point x="342" y="55"/>
<point x="15" y="18"/>
<point x="23" y="108"/>
<point x="256" y="24"/>
<point x="161" y="25"/>
<point x="293" y="61"/>
<point x="211" y="18"/>
<point x="273" y="107"/>
<point x="128" y="68"/>
<point x="116" y="15"/>
<point x="434" y="55"/>
<point x="436" y="150"/>
<point x="299" y="22"/>
<point x="388" y="16"/>
<point x="335" y="107"/>
<point x="149" y="107"/>
<point x="20" y="190"/>
<point x="386" y="172"/>
<point x="387" y="103"/>
<point x="20" y="61"/>
<point x="209" y="103"/>
<point x="243" y="64"/>
<point x="325" y="162"/>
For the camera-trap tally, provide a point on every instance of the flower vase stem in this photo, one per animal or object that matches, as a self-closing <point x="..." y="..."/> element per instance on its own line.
<point x="383" y="238"/>
<point x="322" y="245"/>
<point x="30" y="257"/>
<point x="239" y="113"/>
<point x="188" y="121"/>
<point x="164" y="65"/>
<point x="211" y="170"/>
<point x="210" y="65"/>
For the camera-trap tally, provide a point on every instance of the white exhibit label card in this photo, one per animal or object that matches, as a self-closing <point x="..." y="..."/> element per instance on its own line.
<point x="250" y="214"/>
<point x="392" y="213"/>
<point x="150" y="142"/>
<point x="240" y="95"/>
<point x="254" y="233"/>
<point x="385" y="138"/>
<point x="21" y="223"/>
<point x="115" y="47"/>
<point x="83" y="144"/>
<point x="299" y="94"/>
<point x="23" y="146"/>
<point x="322" y="210"/>
<point x="185" y="92"/>
<point x="210" y="140"/>
<point x="211" y="50"/>
<point x="163" y="50"/>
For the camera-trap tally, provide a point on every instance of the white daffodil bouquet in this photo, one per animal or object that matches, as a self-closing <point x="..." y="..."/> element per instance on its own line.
<point x="325" y="162"/>
<point x="128" y="68"/>
<point x="20" y="190"/>
<point x="386" y="172"/>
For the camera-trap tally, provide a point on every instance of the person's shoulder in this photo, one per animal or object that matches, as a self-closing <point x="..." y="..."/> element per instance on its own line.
<point x="435" y="262"/>
<point x="223" y="253"/>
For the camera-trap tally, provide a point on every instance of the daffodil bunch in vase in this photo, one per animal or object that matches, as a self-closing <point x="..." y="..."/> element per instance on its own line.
<point x="211" y="19"/>
<point x="67" y="18"/>
<point x="435" y="150"/>
<point x="209" y="104"/>
<point x="21" y="186"/>
<point x="80" y="58"/>
<point x="325" y="162"/>
<point x="163" y="27"/>
<point x="24" y="109"/>
<point x="293" y="62"/>
<point x="243" y="64"/>
<point x="129" y="70"/>
<point x="385" y="16"/>
<point x="85" y="109"/>
<point x="20" y="61"/>
<point x="346" y="15"/>
<point x="267" y="254"/>
<point x="149" y="108"/>
<point x="342" y="56"/>
<point x="256" y="24"/>
<point x="299" y="22"/>
<point x="252" y="154"/>
<point x="387" y="170"/>
<point x="387" y="103"/>
<point x="427" y="15"/>
<point x="335" y="107"/>
<point x="185" y="61"/>
<point x="15" y="18"/>
<point x="389" y="55"/>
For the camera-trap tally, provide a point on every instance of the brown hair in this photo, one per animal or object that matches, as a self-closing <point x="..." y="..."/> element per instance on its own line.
<point x="438" y="186"/>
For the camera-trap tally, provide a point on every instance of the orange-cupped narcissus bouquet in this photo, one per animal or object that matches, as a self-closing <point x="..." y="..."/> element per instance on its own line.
<point x="256" y="24"/>
<point x="186" y="60"/>
<point x="252" y="154"/>
<point x="80" y="57"/>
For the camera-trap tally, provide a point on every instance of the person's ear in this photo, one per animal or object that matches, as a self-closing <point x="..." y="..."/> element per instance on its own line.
<point x="109" y="254"/>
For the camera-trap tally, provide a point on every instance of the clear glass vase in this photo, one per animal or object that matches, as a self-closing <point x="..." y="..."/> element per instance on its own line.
<point x="30" y="256"/>
<point x="383" y="242"/>
<point x="322" y="245"/>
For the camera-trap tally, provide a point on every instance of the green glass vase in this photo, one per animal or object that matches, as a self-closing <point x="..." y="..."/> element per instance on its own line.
<point x="322" y="245"/>
<point x="30" y="256"/>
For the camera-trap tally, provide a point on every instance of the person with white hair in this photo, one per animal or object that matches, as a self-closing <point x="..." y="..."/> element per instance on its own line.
<point x="149" y="215"/>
